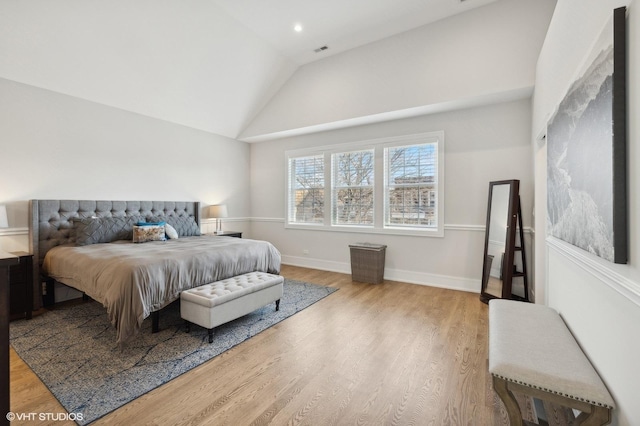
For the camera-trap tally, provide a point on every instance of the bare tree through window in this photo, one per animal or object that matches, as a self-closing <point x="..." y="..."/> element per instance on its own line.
<point x="353" y="188"/>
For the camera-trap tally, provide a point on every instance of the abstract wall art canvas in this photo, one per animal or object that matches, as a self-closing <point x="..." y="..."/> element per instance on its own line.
<point x="586" y="152"/>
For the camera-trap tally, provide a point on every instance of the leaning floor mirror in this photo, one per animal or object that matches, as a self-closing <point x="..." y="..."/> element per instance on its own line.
<point x="504" y="239"/>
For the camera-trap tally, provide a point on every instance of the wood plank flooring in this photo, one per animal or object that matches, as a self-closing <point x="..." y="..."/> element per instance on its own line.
<point x="369" y="354"/>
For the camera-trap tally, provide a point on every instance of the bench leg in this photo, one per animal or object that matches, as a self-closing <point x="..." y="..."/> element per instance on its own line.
<point x="278" y="305"/>
<point x="210" y="333"/>
<point x="598" y="416"/>
<point x="510" y="403"/>
<point x="187" y="325"/>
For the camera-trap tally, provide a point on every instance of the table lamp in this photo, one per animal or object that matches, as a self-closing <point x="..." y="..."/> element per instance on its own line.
<point x="218" y="211"/>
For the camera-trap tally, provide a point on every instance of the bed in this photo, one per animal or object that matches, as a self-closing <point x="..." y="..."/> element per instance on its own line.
<point x="135" y="280"/>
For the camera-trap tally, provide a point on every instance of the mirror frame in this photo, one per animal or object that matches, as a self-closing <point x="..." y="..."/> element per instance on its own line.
<point x="510" y="241"/>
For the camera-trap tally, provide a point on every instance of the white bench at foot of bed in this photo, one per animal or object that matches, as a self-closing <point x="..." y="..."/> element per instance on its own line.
<point x="531" y="351"/>
<point x="213" y="304"/>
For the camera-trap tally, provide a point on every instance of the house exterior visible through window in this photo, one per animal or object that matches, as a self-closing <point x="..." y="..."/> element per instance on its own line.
<point x="411" y="185"/>
<point x="392" y="186"/>
<point x="306" y="190"/>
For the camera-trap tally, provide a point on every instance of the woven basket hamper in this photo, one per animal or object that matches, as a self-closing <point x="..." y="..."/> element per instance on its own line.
<point x="367" y="262"/>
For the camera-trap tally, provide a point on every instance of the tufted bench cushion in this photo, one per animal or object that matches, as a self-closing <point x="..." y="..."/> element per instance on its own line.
<point x="532" y="351"/>
<point x="213" y="304"/>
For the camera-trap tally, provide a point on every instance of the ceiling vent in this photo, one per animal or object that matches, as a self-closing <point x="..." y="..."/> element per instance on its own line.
<point x="320" y="49"/>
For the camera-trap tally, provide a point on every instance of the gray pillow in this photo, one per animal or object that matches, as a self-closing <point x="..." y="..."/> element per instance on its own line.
<point x="185" y="225"/>
<point x="103" y="229"/>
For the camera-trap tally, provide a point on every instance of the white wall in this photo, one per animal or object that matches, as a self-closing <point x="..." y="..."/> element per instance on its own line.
<point x="186" y="62"/>
<point x="486" y="52"/>
<point x="600" y="301"/>
<point x="482" y="144"/>
<point x="57" y="146"/>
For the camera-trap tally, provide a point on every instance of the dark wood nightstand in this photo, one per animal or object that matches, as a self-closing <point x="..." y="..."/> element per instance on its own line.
<point x="21" y="283"/>
<point x="228" y="234"/>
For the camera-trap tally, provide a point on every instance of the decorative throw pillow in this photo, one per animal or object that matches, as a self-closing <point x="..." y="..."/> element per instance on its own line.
<point x="148" y="232"/>
<point x="143" y="223"/>
<point x="185" y="225"/>
<point x="170" y="231"/>
<point x="94" y="230"/>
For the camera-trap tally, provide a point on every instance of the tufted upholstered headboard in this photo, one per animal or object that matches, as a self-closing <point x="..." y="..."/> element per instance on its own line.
<point x="50" y="222"/>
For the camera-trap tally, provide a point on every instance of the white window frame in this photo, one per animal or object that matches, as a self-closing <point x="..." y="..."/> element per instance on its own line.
<point x="378" y="145"/>
<point x="438" y="216"/>
<point x="334" y="188"/>
<point x="291" y="190"/>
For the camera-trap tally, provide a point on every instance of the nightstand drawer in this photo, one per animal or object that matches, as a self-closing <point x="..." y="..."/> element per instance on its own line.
<point x="17" y="274"/>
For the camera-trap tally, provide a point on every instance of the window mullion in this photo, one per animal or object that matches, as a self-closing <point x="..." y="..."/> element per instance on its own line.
<point x="379" y="201"/>
<point x="328" y="189"/>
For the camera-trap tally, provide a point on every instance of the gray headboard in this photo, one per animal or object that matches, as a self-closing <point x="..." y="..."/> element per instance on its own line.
<point x="50" y="222"/>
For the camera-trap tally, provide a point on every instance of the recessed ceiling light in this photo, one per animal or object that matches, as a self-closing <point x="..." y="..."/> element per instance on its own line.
<point x="297" y="28"/>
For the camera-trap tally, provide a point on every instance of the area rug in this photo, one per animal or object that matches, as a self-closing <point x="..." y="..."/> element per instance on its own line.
<point x="72" y="349"/>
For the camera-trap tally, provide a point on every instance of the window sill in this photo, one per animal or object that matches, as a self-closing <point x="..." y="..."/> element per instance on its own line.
<point x="438" y="233"/>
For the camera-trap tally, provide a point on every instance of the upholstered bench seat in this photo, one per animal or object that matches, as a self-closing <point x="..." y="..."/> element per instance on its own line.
<point x="213" y="304"/>
<point x="531" y="351"/>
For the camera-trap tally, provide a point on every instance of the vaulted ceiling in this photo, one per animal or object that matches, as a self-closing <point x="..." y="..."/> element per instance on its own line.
<point x="339" y="25"/>
<point x="217" y="65"/>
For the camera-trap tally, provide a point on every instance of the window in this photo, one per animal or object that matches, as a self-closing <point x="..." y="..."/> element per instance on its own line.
<point x="411" y="186"/>
<point x="392" y="186"/>
<point x="306" y="189"/>
<point x="352" y="183"/>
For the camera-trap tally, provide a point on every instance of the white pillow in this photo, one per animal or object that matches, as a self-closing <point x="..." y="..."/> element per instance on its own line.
<point x="170" y="231"/>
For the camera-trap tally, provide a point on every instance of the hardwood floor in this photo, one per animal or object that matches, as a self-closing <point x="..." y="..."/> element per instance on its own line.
<point x="369" y="354"/>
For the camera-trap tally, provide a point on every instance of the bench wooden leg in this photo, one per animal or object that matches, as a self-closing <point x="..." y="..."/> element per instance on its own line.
<point x="210" y="332"/>
<point x="187" y="325"/>
<point x="278" y="305"/>
<point x="509" y="401"/>
<point x="591" y="415"/>
<point x="598" y="416"/>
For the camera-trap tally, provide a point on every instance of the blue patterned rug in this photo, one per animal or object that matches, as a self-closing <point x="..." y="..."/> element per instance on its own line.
<point x="72" y="349"/>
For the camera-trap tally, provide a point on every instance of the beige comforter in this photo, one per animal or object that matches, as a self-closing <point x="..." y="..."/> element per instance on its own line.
<point x="133" y="280"/>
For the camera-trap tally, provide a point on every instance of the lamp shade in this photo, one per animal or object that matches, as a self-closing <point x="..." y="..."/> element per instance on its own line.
<point x="218" y="211"/>
<point x="4" y="222"/>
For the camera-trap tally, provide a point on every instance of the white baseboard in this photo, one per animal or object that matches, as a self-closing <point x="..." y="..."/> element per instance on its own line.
<point x="322" y="265"/>
<point x="412" y="277"/>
